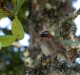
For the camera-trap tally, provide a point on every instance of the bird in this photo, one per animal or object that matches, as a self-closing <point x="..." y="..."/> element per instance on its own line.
<point x="52" y="46"/>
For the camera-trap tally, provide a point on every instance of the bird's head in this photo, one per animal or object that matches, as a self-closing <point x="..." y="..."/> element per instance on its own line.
<point x="46" y="34"/>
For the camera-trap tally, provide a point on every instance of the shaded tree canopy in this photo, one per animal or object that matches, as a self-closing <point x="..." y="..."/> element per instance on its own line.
<point x="36" y="16"/>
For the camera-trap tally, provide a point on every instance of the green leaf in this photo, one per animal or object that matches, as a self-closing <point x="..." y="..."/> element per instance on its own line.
<point x="0" y="44"/>
<point x="70" y="42"/>
<point x="1" y="1"/>
<point x="17" y="29"/>
<point x="14" y="3"/>
<point x="3" y="13"/>
<point x="17" y="6"/>
<point x="7" y="40"/>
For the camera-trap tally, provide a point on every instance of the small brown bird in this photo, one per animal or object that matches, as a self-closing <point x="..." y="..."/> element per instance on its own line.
<point x="50" y="45"/>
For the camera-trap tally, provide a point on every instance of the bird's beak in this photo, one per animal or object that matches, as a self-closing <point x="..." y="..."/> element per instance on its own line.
<point x="38" y="38"/>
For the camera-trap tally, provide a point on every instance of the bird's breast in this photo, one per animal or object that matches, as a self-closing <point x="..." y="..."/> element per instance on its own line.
<point x="46" y="46"/>
<point x="45" y="50"/>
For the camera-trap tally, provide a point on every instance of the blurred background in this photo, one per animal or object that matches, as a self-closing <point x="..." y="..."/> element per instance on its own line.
<point x="35" y="16"/>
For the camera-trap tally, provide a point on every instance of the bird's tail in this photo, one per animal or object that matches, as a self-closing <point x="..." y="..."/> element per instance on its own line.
<point x="72" y="53"/>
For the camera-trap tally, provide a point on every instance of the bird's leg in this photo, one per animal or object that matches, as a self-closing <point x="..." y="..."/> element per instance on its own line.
<point x="50" y="58"/>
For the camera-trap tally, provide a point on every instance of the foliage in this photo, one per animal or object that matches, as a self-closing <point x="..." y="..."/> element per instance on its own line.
<point x="7" y="54"/>
<point x="17" y="29"/>
<point x="42" y="15"/>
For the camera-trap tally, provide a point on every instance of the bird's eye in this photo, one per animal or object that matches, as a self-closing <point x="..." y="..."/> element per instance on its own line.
<point x="45" y="33"/>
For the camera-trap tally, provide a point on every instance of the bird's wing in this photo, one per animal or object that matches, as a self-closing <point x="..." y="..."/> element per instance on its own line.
<point x="59" y="46"/>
